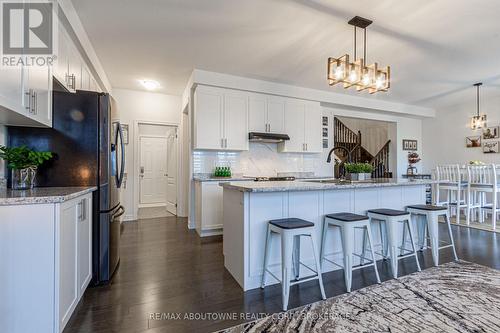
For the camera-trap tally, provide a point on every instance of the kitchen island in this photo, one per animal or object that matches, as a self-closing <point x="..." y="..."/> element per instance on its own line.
<point x="248" y="206"/>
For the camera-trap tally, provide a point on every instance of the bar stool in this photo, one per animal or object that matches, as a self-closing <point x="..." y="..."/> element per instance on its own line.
<point x="432" y="214"/>
<point x="391" y="219"/>
<point x="347" y="223"/>
<point x="290" y="230"/>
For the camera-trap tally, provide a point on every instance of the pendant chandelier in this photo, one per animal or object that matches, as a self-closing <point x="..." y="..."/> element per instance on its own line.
<point x="478" y="121"/>
<point x="357" y="73"/>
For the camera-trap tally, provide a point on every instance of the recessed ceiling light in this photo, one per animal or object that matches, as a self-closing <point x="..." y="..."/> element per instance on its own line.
<point x="150" y="84"/>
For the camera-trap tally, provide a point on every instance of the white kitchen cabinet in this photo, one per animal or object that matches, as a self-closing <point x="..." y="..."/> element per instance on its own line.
<point x="313" y="128"/>
<point x="208" y="208"/>
<point x="220" y="119"/>
<point x="208" y="118"/>
<point x="85" y="78"/>
<point x="266" y="114"/>
<point x="303" y="125"/>
<point x="61" y="67"/>
<point x="37" y="83"/>
<point x="257" y="113"/>
<point x="45" y="255"/>
<point x="84" y="243"/>
<point x="235" y="127"/>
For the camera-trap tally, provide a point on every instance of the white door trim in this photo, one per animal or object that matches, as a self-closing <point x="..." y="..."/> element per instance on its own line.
<point x="136" y="165"/>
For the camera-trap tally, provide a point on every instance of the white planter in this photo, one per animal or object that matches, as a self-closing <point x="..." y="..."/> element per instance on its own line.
<point x="359" y="176"/>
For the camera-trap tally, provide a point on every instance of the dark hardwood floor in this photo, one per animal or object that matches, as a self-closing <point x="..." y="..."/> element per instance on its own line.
<point x="167" y="271"/>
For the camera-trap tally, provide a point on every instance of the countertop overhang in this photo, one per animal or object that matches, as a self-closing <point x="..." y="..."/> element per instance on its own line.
<point x="300" y="185"/>
<point x="42" y="195"/>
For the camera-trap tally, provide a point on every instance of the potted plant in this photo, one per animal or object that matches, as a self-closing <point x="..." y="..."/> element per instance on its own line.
<point x="359" y="171"/>
<point x="23" y="163"/>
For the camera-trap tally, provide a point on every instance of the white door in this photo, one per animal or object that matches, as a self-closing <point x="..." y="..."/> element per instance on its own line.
<point x="153" y="170"/>
<point x="172" y="172"/>
<point x="236" y="121"/>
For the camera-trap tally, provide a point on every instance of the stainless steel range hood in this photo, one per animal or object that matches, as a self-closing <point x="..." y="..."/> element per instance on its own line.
<point x="267" y="137"/>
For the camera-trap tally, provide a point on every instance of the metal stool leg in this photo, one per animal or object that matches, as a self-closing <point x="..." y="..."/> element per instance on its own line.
<point x="451" y="236"/>
<point x="323" y="243"/>
<point x="348" y="248"/>
<point x="267" y="252"/>
<point x="370" y="240"/>
<point x="318" y="267"/>
<point x="296" y="257"/>
<point x="412" y="239"/>
<point x="286" y="269"/>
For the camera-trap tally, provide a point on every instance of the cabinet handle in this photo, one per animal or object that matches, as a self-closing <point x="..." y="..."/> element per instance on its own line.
<point x="225" y="143"/>
<point x="222" y="143"/>
<point x="307" y="148"/>
<point x="28" y="107"/>
<point x="35" y="102"/>
<point x="81" y="210"/>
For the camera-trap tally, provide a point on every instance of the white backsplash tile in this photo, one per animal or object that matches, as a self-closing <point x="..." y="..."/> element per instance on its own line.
<point x="260" y="160"/>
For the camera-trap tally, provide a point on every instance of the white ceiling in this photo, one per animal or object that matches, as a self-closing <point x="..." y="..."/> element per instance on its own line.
<point x="436" y="49"/>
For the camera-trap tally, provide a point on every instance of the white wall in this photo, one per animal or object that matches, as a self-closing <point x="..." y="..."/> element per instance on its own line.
<point x="444" y="136"/>
<point x="136" y="106"/>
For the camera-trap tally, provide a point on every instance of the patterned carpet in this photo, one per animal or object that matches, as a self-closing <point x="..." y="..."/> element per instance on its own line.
<point x="454" y="297"/>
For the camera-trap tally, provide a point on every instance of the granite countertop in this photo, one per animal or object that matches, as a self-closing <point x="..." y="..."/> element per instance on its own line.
<point x="42" y="195"/>
<point x="284" y="186"/>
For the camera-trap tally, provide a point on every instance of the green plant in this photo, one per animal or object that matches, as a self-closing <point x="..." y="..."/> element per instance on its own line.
<point x="358" y="167"/>
<point x="22" y="157"/>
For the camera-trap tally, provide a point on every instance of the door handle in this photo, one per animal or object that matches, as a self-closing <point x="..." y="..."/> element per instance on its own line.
<point x="141" y="171"/>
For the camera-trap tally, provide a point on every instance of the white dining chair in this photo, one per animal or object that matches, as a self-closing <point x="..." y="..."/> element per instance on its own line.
<point x="485" y="182"/>
<point x="451" y="179"/>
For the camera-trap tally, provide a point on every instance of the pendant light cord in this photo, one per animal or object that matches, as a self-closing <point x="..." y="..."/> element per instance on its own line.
<point x="355" y="58"/>
<point x="364" y="47"/>
<point x="478" y="100"/>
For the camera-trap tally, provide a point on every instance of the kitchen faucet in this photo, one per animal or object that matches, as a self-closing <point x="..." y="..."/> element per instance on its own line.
<point x="341" y="167"/>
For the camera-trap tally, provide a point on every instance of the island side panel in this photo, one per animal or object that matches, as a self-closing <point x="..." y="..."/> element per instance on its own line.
<point x="262" y="208"/>
<point x="234" y="232"/>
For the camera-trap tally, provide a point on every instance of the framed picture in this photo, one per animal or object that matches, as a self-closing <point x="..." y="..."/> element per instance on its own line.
<point x="325" y="143"/>
<point x="491" y="132"/>
<point x="125" y="133"/>
<point x="325" y="121"/>
<point x="491" y="147"/>
<point x="325" y="132"/>
<point x="409" y="144"/>
<point x="473" y="141"/>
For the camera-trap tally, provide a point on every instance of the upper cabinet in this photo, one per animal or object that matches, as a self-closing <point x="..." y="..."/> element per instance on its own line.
<point x="26" y="91"/>
<point x="38" y="94"/>
<point x="266" y="113"/>
<point x="220" y="119"/>
<point x="303" y="125"/>
<point x="71" y="70"/>
<point x="224" y="117"/>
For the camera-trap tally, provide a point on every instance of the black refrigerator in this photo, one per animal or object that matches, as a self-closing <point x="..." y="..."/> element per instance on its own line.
<point x="87" y="140"/>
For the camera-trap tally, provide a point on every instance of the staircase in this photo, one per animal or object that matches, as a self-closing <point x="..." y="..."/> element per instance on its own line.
<point x="345" y="137"/>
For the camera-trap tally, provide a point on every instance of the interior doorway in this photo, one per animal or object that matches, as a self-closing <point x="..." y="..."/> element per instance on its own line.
<point x="157" y="170"/>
